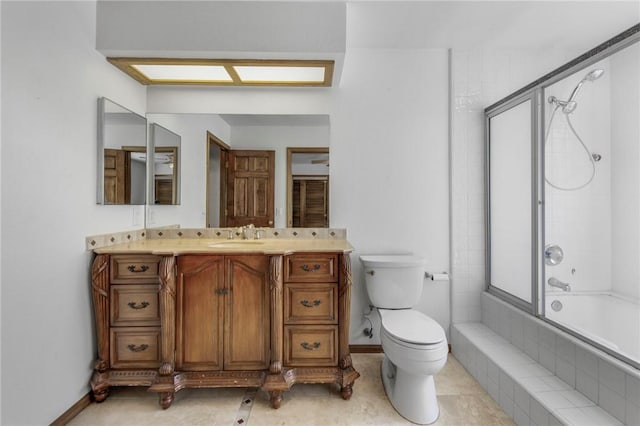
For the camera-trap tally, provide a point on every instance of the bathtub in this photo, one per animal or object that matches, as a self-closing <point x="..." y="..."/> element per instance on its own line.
<point x="607" y="319"/>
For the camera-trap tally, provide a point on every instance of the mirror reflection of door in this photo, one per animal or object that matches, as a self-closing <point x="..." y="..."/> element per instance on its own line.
<point x="165" y="175"/>
<point x="240" y="186"/>
<point x="216" y="187"/>
<point x="250" y="188"/>
<point x="124" y="175"/>
<point x="308" y="187"/>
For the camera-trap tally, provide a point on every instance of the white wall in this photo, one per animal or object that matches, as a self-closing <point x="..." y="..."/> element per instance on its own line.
<point x="52" y="77"/>
<point x="389" y="165"/>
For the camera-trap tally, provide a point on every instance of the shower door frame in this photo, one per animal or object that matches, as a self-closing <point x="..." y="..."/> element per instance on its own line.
<point x="536" y="211"/>
<point x="535" y="91"/>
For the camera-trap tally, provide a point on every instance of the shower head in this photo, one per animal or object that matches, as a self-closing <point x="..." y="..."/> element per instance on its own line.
<point x="593" y="75"/>
<point x="571" y="104"/>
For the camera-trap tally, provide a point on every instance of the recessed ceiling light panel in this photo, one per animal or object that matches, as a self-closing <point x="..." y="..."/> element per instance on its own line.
<point x="228" y="72"/>
<point x="280" y="74"/>
<point x="184" y="72"/>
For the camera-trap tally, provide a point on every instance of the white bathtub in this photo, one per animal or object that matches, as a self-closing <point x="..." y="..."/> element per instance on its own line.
<point x="607" y="319"/>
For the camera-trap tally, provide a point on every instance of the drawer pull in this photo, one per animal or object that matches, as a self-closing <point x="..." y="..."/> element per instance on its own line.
<point x="142" y="305"/>
<point x="308" y="347"/>
<point x="314" y="268"/>
<point x="132" y="268"/>
<point x="134" y="348"/>
<point x="306" y="303"/>
<point x="222" y="291"/>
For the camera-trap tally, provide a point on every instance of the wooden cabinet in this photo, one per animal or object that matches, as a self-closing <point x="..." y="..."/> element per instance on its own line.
<point x="215" y="329"/>
<point x="311" y="310"/>
<point x="220" y="320"/>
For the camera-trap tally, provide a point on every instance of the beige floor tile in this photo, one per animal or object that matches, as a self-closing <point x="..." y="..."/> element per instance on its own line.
<point x="462" y="402"/>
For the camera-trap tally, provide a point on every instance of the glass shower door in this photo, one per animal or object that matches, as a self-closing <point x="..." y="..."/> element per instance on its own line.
<point x="511" y="158"/>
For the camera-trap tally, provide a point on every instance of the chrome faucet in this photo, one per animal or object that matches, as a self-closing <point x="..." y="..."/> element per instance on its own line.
<point x="247" y="230"/>
<point x="554" y="282"/>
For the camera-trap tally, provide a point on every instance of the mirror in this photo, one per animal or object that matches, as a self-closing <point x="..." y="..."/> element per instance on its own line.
<point x="200" y="168"/>
<point x="308" y="187"/>
<point x="164" y="185"/>
<point x="122" y="148"/>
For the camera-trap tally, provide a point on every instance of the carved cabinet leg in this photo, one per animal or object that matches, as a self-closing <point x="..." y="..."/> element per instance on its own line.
<point x="166" y="398"/>
<point x="276" y="398"/>
<point x="346" y="392"/>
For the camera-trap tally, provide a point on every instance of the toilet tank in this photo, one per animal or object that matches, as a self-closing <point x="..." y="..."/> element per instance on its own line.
<point x="394" y="281"/>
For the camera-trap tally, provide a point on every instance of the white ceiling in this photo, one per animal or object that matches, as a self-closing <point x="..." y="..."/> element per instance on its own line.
<point x="488" y="24"/>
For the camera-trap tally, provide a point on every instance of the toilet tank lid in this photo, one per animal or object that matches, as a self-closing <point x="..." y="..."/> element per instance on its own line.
<point x="392" y="260"/>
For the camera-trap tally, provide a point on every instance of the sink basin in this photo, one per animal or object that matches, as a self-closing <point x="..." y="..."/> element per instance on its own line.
<point x="235" y="243"/>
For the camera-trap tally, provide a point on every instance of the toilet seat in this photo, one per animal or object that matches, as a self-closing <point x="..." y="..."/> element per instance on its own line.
<point x="411" y="328"/>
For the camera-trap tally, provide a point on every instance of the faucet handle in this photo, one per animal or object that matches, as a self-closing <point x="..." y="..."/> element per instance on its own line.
<point x="230" y="234"/>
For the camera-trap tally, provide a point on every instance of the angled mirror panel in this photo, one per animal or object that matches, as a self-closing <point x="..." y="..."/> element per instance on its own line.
<point x="164" y="185"/>
<point x="122" y="162"/>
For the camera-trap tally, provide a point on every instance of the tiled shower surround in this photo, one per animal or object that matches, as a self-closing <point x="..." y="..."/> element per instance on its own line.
<point x="542" y="376"/>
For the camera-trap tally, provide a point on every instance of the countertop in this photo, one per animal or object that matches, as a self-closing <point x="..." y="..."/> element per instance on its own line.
<point x="268" y="246"/>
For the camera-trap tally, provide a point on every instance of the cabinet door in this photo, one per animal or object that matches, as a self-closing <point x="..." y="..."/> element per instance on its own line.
<point x="199" y="319"/>
<point x="247" y="337"/>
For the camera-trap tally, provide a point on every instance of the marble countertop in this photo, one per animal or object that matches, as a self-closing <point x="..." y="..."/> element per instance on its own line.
<point x="179" y="246"/>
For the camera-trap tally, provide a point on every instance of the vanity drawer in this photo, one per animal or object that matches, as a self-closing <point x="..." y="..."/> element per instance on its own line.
<point x="311" y="345"/>
<point x="311" y="268"/>
<point x="135" y="347"/>
<point x="134" y="269"/>
<point x="135" y="305"/>
<point x="311" y="303"/>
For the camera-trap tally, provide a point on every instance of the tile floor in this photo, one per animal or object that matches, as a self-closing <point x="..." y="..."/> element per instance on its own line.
<point x="462" y="402"/>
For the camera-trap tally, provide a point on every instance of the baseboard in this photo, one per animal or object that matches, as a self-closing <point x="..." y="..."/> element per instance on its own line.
<point x="75" y="409"/>
<point x="371" y="349"/>
<point x="365" y="349"/>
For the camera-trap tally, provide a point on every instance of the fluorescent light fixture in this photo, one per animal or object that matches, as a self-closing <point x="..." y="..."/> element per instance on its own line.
<point x="184" y="72"/>
<point x="249" y="73"/>
<point x="228" y="72"/>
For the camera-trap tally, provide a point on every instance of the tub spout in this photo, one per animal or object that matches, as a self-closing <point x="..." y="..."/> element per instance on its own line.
<point x="554" y="282"/>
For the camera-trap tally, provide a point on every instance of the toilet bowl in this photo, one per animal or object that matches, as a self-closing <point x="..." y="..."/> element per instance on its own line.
<point x="415" y="345"/>
<point x="415" y="349"/>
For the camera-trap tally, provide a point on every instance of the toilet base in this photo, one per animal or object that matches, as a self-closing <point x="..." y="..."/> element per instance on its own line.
<point x="413" y="396"/>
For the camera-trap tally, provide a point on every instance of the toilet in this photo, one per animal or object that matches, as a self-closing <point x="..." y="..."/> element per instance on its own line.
<point x="414" y="345"/>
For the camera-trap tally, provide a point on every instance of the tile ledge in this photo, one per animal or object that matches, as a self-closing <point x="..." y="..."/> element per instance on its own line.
<point x="484" y="339"/>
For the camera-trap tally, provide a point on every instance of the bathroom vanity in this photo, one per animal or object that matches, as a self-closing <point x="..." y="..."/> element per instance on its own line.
<point x="179" y="313"/>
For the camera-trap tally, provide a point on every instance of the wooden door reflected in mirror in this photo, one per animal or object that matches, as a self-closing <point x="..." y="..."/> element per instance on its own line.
<point x="308" y="187"/>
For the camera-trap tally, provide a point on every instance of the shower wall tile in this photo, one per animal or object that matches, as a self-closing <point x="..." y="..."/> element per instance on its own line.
<point x="566" y="350"/>
<point x="539" y="415"/>
<point x="633" y="413"/>
<point x="521" y="398"/>
<point x="633" y="389"/>
<point x="612" y="378"/>
<point x="612" y="402"/>
<point x="587" y="363"/>
<point x="566" y="371"/>
<point x="587" y="385"/>
<point x="520" y="417"/>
